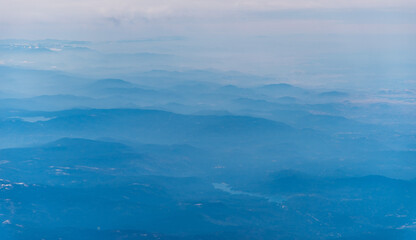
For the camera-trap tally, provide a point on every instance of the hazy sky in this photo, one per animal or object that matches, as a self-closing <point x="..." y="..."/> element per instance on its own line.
<point x="301" y="41"/>
<point x="130" y="19"/>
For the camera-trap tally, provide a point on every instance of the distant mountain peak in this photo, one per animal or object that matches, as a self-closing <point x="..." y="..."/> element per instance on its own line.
<point x="83" y="142"/>
<point x="279" y="86"/>
<point x="334" y="94"/>
<point x="113" y="82"/>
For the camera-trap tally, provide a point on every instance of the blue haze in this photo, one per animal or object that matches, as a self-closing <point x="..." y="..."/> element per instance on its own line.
<point x="279" y="136"/>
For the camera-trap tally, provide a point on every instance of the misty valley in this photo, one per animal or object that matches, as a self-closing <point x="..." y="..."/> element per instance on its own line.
<point x="197" y="154"/>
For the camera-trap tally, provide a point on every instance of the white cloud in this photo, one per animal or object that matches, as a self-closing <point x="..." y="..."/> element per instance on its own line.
<point x="20" y="17"/>
<point x="28" y="10"/>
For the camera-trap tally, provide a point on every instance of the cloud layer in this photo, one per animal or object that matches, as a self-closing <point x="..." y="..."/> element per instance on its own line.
<point x="133" y="18"/>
